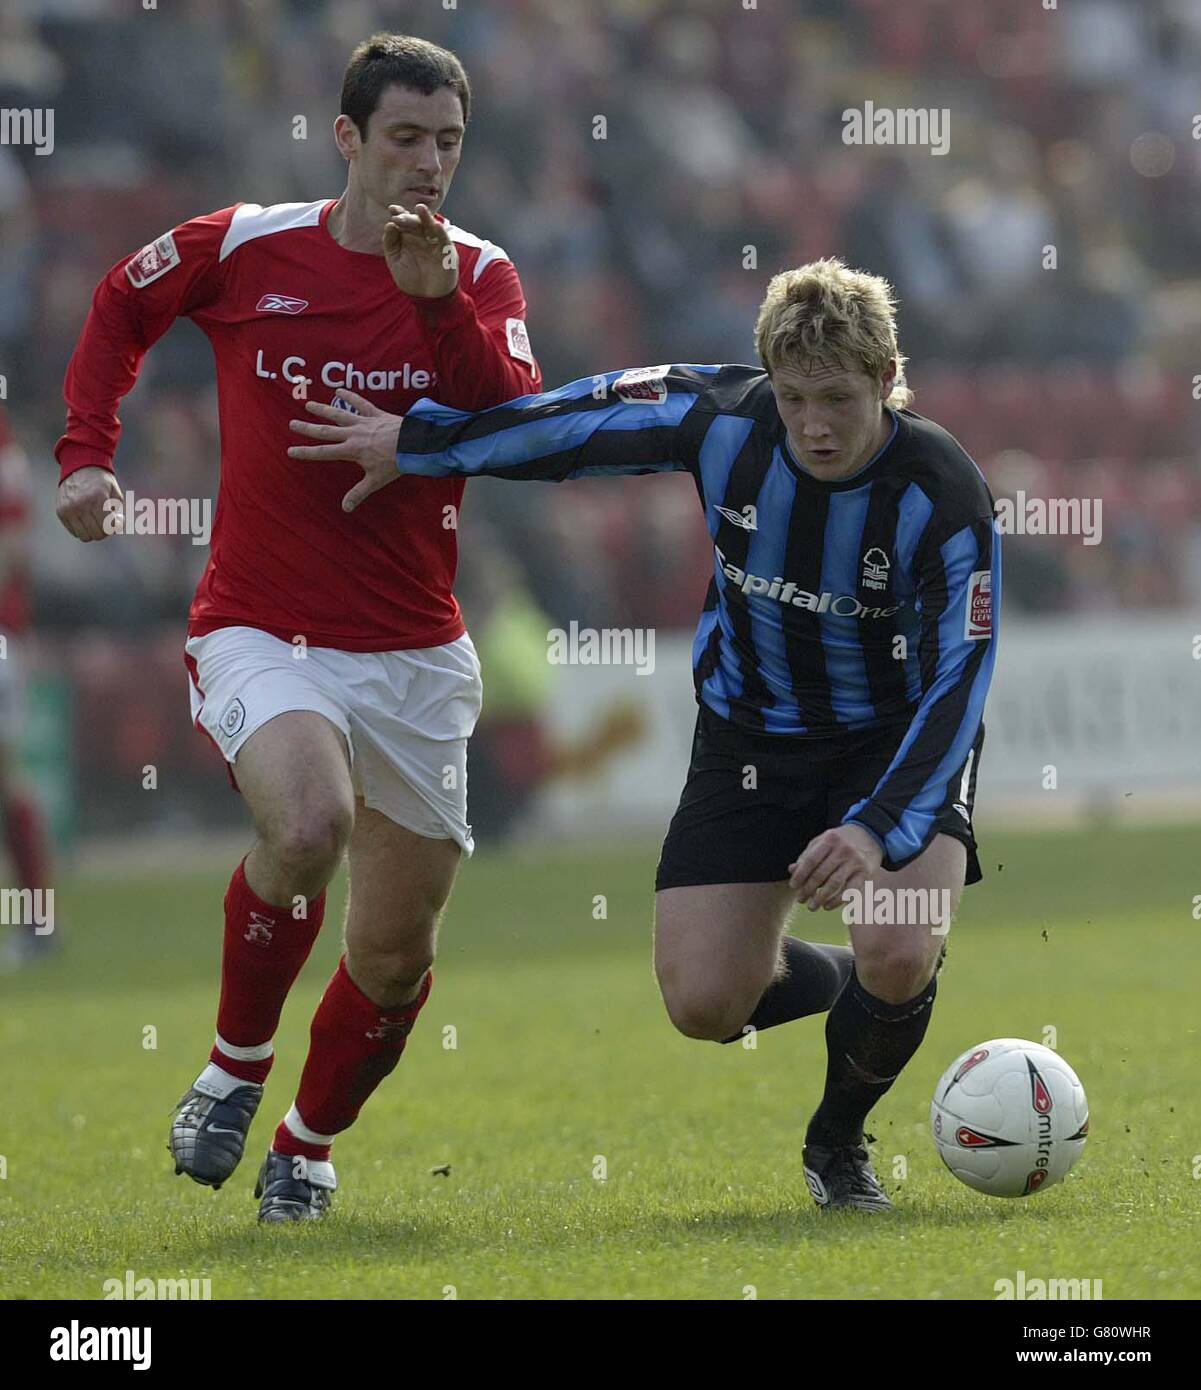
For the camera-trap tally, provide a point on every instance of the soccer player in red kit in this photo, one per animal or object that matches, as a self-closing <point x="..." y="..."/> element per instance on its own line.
<point x="326" y="652"/>
<point x="24" y="826"/>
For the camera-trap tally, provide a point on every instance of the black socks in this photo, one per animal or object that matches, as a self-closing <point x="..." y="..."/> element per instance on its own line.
<point x="868" y="1042"/>
<point x="815" y="976"/>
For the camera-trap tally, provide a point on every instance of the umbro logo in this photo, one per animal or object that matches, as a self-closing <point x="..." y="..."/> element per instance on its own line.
<point x="745" y="519"/>
<point x="816" y="1187"/>
<point x="280" y="304"/>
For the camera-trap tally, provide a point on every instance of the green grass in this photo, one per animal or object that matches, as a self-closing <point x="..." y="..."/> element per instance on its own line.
<point x="564" y="1054"/>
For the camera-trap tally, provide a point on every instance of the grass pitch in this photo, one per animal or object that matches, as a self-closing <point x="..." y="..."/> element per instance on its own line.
<point x="593" y="1152"/>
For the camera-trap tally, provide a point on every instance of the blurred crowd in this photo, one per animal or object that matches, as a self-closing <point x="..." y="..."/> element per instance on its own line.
<point x="1048" y="266"/>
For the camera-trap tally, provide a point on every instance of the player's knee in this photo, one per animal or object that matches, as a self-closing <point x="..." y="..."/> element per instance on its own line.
<point x="389" y="969"/>
<point x="897" y="969"/>
<point x="311" y="839"/>
<point x="705" y="1014"/>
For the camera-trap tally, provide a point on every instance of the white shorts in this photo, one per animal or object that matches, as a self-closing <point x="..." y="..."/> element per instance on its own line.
<point x="406" y="715"/>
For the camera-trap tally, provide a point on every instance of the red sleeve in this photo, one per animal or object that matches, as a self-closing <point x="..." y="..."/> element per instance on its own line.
<point x="134" y="305"/>
<point x="481" y="349"/>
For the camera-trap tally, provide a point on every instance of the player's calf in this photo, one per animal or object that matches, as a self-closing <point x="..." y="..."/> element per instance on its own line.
<point x="399" y="883"/>
<point x="294" y="774"/>
<point x="354" y="1044"/>
<point x="881" y="1016"/>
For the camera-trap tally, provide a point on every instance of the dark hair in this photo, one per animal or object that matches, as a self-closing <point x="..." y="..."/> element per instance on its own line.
<point x="387" y="58"/>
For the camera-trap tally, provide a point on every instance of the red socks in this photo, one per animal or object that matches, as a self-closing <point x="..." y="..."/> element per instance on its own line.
<point x="25" y="831"/>
<point x="265" y="948"/>
<point x="354" y="1045"/>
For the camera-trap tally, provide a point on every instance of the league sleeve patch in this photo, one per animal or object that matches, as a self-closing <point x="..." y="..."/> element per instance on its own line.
<point x="153" y="261"/>
<point x="642" y="386"/>
<point x="977" y="622"/>
<point x="519" y="341"/>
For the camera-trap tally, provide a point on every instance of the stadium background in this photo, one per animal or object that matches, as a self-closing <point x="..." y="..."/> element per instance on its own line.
<point x="723" y="133"/>
<point x="1073" y="129"/>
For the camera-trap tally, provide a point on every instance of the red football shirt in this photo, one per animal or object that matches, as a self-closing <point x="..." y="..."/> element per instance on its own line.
<point x="282" y="302"/>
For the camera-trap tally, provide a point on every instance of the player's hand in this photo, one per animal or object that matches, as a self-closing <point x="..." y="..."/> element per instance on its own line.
<point x="834" y="862"/>
<point x="420" y="254"/>
<point x="80" y="505"/>
<point x="368" y="438"/>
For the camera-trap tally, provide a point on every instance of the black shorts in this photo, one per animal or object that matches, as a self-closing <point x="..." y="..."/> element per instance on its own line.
<point x="723" y="832"/>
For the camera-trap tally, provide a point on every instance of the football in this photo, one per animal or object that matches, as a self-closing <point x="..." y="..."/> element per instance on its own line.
<point x="1009" y="1117"/>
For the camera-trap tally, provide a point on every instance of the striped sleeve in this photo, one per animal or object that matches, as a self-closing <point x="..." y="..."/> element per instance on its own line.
<point x="958" y="595"/>
<point x="617" y="422"/>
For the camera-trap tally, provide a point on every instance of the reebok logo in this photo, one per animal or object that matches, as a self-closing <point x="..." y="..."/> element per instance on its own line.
<point x="280" y="304"/>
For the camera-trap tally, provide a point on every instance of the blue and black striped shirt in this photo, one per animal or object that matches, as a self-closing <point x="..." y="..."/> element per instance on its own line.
<point x="834" y="606"/>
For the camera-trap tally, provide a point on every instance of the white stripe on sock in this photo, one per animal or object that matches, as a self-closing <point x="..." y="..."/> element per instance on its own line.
<point x="297" y="1128"/>
<point x="258" y="1053"/>
<point x="215" y="1081"/>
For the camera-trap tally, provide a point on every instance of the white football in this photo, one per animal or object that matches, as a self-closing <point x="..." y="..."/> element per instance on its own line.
<point x="1009" y="1117"/>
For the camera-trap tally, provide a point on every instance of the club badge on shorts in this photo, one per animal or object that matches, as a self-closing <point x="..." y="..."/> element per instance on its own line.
<point x="233" y="718"/>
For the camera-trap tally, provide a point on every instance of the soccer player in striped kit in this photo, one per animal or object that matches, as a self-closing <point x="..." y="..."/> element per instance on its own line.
<point x="842" y="662"/>
<point x="327" y="654"/>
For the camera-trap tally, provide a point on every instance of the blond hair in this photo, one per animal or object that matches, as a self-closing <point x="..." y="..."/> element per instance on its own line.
<point x="826" y="312"/>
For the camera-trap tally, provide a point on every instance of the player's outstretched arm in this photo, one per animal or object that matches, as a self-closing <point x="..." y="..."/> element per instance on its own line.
<point x="959" y="593"/>
<point x="618" y="422"/>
